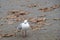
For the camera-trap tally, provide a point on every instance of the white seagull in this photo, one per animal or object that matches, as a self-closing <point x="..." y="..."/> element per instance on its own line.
<point x="24" y="27"/>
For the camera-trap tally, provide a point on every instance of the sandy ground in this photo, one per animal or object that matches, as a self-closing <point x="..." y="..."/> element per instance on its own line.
<point x="52" y="32"/>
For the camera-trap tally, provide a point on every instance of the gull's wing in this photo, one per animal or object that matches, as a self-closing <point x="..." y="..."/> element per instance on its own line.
<point x="19" y="27"/>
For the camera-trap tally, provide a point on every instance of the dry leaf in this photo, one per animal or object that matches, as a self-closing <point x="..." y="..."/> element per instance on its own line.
<point x="11" y="16"/>
<point x="56" y="19"/>
<point x="32" y="5"/>
<point x="4" y="35"/>
<point x="43" y="9"/>
<point x="33" y="20"/>
<point x="46" y="9"/>
<point x="36" y="28"/>
<point x="12" y="34"/>
<point x="55" y="6"/>
<point x="18" y="19"/>
<point x="23" y="12"/>
<point x="13" y="12"/>
<point x="10" y="22"/>
<point x="8" y="35"/>
<point x="41" y="19"/>
<point x="49" y="8"/>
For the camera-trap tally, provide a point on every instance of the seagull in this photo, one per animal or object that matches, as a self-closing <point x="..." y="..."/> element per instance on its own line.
<point x="24" y="27"/>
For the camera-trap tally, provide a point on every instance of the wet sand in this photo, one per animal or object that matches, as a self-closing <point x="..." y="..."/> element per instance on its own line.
<point x="52" y="32"/>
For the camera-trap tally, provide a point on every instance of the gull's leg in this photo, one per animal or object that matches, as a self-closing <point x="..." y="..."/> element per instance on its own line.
<point x="24" y="33"/>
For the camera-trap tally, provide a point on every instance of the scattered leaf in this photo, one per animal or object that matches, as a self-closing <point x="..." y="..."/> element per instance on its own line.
<point x="46" y="9"/>
<point x="55" y="6"/>
<point x="13" y="12"/>
<point x="33" y="20"/>
<point x="11" y="16"/>
<point x="10" y="22"/>
<point x="32" y="5"/>
<point x="4" y="35"/>
<point x="18" y="19"/>
<point x="36" y="28"/>
<point x="56" y="19"/>
<point x="12" y="34"/>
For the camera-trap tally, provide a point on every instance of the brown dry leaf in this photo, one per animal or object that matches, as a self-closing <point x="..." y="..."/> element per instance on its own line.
<point x="56" y="19"/>
<point x="12" y="34"/>
<point x="41" y="23"/>
<point x="22" y="12"/>
<point x="46" y="9"/>
<point x="36" y="28"/>
<point x="16" y="13"/>
<point x="55" y="6"/>
<point x="32" y="5"/>
<point x="43" y="9"/>
<point x="13" y="12"/>
<point x="49" y="8"/>
<point x="10" y="22"/>
<point x="33" y="20"/>
<point x="18" y="19"/>
<point x="41" y="19"/>
<point x="8" y="35"/>
<point x="36" y="20"/>
<point x="11" y="16"/>
<point x="4" y="35"/>
<point x="33" y="27"/>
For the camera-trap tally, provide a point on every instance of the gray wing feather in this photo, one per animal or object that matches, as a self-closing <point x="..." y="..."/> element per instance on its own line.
<point x="19" y="27"/>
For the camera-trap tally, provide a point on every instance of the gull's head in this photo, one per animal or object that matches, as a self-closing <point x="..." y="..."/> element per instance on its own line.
<point x="25" y="21"/>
